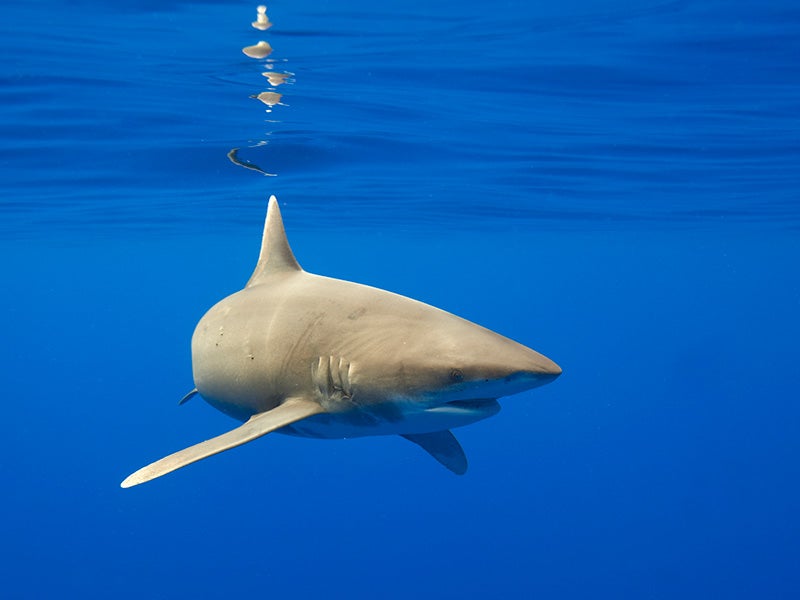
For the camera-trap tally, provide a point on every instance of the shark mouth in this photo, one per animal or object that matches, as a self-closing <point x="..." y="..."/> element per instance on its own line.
<point x="475" y="404"/>
<point x="476" y="407"/>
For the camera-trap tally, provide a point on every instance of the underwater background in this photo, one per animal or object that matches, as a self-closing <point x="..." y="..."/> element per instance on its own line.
<point x="613" y="183"/>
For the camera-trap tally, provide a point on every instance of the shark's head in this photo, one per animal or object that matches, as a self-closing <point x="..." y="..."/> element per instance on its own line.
<point x="442" y="364"/>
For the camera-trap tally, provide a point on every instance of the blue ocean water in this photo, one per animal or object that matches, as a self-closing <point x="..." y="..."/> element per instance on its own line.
<point x="613" y="183"/>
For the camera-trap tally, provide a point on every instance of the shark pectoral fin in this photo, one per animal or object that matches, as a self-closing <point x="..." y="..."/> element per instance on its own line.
<point x="187" y="397"/>
<point x="444" y="447"/>
<point x="293" y="409"/>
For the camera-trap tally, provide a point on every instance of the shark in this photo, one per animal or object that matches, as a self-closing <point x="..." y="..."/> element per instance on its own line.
<point x="312" y="356"/>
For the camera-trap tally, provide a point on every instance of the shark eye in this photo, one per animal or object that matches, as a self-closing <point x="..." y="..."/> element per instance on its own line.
<point x="456" y="375"/>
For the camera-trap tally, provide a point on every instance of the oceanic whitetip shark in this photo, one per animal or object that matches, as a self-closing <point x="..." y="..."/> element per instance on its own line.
<point x="318" y="357"/>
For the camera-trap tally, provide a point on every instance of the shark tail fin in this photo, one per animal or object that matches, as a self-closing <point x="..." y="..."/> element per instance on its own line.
<point x="444" y="447"/>
<point x="276" y="255"/>
<point x="290" y="411"/>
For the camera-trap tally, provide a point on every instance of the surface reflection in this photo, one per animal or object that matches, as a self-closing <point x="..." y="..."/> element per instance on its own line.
<point x="233" y="156"/>
<point x="262" y="21"/>
<point x="269" y="98"/>
<point x="276" y="79"/>
<point x="261" y="51"/>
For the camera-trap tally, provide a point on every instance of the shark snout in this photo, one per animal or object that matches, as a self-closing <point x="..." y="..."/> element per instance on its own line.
<point x="532" y="369"/>
<point x="545" y="368"/>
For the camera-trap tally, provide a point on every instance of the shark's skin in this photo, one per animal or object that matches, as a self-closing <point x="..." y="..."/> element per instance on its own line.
<point x="318" y="357"/>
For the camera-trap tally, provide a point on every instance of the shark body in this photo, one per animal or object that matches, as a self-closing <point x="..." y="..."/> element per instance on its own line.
<point x="319" y="357"/>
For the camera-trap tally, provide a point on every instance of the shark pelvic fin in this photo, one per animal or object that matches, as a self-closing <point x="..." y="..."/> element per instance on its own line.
<point x="290" y="411"/>
<point x="444" y="447"/>
<point x="187" y="397"/>
<point x="276" y="255"/>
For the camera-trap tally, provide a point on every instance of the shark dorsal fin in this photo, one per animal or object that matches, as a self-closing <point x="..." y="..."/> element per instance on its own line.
<point x="276" y="256"/>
